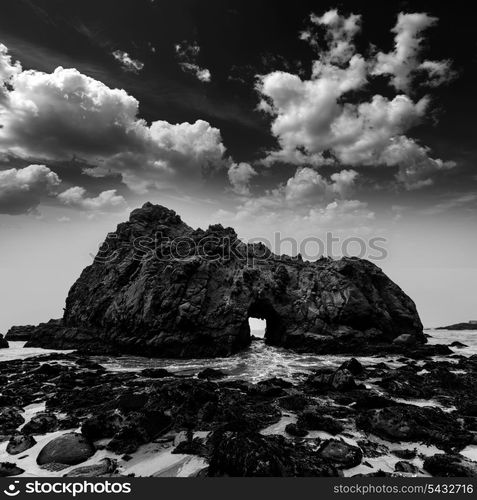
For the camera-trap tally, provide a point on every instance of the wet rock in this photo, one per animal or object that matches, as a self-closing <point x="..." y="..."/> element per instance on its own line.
<point x="199" y="306"/>
<point x="295" y="430"/>
<point x="294" y="402"/>
<point x="105" y="467"/>
<point x="139" y="429"/>
<point x="102" y="425"/>
<point x="406" y="467"/>
<point x="69" y="449"/>
<point x="249" y="454"/>
<point x="452" y="465"/>
<point x="353" y="366"/>
<point x="131" y="401"/>
<point x="343" y="380"/>
<point x="195" y="446"/>
<point x="340" y="453"/>
<point x="371" y="449"/>
<point x="210" y="374"/>
<point x="10" y="419"/>
<point x="8" y="469"/>
<point x="3" y="342"/>
<point x="314" y="420"/>
<point x="41" y="423"/>
<point x="19" y="443"/>
<point x="413" y="423"/>
<point x="325" y="380"/>
<point x="369" y="399"/>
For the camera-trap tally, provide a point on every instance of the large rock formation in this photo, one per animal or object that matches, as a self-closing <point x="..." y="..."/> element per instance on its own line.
<point x="160" y="288"/>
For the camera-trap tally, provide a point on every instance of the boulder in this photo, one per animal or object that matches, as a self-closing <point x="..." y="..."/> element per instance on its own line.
<point x="156" y="373"/>
<point x="452" y="465"/>
<point x="19" y="443"/>
<point x="340" y="453"/>
<point x="405" y="339"/>
<point x="295" y="430"/>
<point x="20" y="333"/>
<point x="10" y="419"/>
<point x="406" y="467"/>
<point x="8" y="469"/>
<point x="353" y="366"/>
<point x="414" y="423"/>
<point x="41" y="423"/>
<point x="140" y="296"/>
<point x="68" y="449"/>
<point x="313" y="420"/>
<point x="105" y="467"/>
<point x="210" y="373"/>
<point x="249" y="454"/>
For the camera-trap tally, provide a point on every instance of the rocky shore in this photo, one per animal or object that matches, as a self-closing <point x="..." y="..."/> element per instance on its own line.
<point x="65" y="414"/>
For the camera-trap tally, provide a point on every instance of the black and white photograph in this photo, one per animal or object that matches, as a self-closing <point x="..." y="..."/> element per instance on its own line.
<point x="238" y="239"/>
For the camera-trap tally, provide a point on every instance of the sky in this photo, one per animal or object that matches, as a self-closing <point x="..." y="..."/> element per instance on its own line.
<point x="293" y="124"/>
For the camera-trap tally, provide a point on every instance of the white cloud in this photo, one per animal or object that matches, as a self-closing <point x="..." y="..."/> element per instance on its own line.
<point x="127" y="62"/>
<point x="240" y="175"/>
<point x="340" y="33"/>
<point x="317" y="122"/>
<point x="65" y="114"/>
<point x="107" y="200"/>
<point x="187" y="54"/>
<point x="404" y="62"/>
<point x="21" y="190"/>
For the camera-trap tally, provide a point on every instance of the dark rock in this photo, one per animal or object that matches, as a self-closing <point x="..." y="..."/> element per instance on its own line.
<point x="459" y="326"/>
<point x="41" y="423"/>
<point x="10" y="419"/>
<point x="249" y="454"/>
<point x="210" y="373"/>
<point x="295" y="430"/>
<point x="353" y="366"/>
<point x="156" y="373"/>
<point x="3" y="342"/>
<point x="406" y="467"/>
<point x="105" y="467"/>
<point x="19" y="443"/>
<point x="442" y="465"/>
<point x="314" y="420"/>
<point x="458" y="344"/>
<point x="294" y="402"/>
<point x="405" y="454"/>
<point x="405" y="339"/>
<point x="8" y="469"/>
<point x="20" y="333"/>
<point x="131" y="402"/>
<point x="371" y="449"/>
<point x="143" y="299"/>
<point x="138" y="429"/>
<point x="413" y="423"/>
<point x="102" y="425"/>
<point x="340" y="453"/>
<point x="69" y="449"/>
<point x="195" y="446"/>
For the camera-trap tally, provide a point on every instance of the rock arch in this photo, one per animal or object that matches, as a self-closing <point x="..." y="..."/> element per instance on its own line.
<point x="141" y="296"/>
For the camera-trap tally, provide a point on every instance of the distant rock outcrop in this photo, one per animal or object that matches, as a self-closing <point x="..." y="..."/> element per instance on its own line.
<point x="3" y="342"/>
<point x="160" y="288"/>
<point x="20" y="333"/>
<point x="471" y="325"/>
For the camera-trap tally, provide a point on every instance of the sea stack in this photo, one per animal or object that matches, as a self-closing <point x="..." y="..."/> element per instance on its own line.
<point x="160" y="288"/>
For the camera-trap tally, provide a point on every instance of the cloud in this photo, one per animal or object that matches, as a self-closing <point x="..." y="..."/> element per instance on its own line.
<point x="339" y="34"/>
<point x="127" y="62"/>
<point x="240" y="175"/>
<point x="321" y="121"/>
<point x="22" y="190"/>
<point x="187" y="54"/>
<point x="404" y="62"/>
<point x="66" y="114"/>
<point x="107" y="200"/>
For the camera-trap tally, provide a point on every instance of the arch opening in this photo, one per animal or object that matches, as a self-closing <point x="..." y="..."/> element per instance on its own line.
<point x="257" y="327"/>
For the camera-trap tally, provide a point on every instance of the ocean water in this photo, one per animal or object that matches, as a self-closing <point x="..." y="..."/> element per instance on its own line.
<point x="259" y="362"/>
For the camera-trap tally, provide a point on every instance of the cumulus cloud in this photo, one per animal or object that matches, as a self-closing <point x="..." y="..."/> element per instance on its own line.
<point x="318" y="121"/>
<point x="22" y="190"/>
<point x="404" y="62"/>
<point x="127" y="62"/>
<point x="340" y="33"/>
<point x="240" y="175"/>
<point x="187" y="54"/>
<point x="107" y="200"/>
<point x="65" y="114"/>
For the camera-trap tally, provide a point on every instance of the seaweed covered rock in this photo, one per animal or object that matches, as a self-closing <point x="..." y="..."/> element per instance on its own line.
<point x="159" y="287"/>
